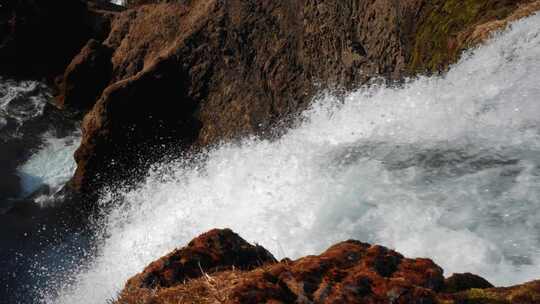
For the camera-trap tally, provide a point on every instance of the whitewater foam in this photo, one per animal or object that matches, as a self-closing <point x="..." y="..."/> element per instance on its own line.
<point x="445" y="167"/>
<point x="52" y="165"/>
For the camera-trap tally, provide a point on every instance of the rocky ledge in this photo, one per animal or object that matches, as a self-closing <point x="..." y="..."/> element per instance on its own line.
<point x="220" y="267"/>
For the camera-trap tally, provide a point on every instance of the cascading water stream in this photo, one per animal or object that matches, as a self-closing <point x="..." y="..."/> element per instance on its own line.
<point x="446" y="167"/>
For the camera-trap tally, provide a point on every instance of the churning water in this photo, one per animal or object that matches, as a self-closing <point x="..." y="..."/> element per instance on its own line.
<point x="51" y="166"/>
<point x="444" y="167"/>
<point x="25" y="128"/>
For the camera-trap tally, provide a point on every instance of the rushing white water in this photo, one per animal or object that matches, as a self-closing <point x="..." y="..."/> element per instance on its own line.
<point x="52" y="165"/>
<point x="444" y="167"/>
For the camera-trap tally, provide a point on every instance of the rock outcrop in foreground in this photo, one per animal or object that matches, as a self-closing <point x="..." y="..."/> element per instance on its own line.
<point x="220" y="267"/>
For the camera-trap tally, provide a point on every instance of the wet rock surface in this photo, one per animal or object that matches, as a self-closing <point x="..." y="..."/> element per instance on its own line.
<point x="194" y="73"/>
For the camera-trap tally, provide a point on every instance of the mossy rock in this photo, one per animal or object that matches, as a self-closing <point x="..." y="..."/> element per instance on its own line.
<point x="435" y="44"/>
<point x="528" y="293"/>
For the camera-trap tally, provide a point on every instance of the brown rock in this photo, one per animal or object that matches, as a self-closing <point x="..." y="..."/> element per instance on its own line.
<point x="482" y="31"/>
<point x="210" y="252"/>
<point x="349" y="272"/>
<point x="193" y="73"/>
<point x="203" y="71"/>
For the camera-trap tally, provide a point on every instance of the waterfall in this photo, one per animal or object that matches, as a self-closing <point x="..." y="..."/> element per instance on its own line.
<point x="446" y="167"/>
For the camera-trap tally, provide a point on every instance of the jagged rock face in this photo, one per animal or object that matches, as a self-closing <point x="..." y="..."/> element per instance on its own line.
<point x="348" y="272"/>
<point x="38" y="38"/>
<point x="193" y="74"/>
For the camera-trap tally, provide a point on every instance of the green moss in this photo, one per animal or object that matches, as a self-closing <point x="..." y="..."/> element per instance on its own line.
<point x="483" y="296"/>
<point x="442" y="20"/>
<point x="524" y="294"/>
<point x="528" y="293"/>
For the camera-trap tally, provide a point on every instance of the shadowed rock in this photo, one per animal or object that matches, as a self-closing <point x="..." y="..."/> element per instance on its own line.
<point x="85" y="77"/>
<point x="464" y="281"/>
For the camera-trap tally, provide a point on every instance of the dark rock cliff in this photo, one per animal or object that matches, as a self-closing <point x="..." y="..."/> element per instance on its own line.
<point x="216" y="70"/>
<point x="188" y="74"/>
